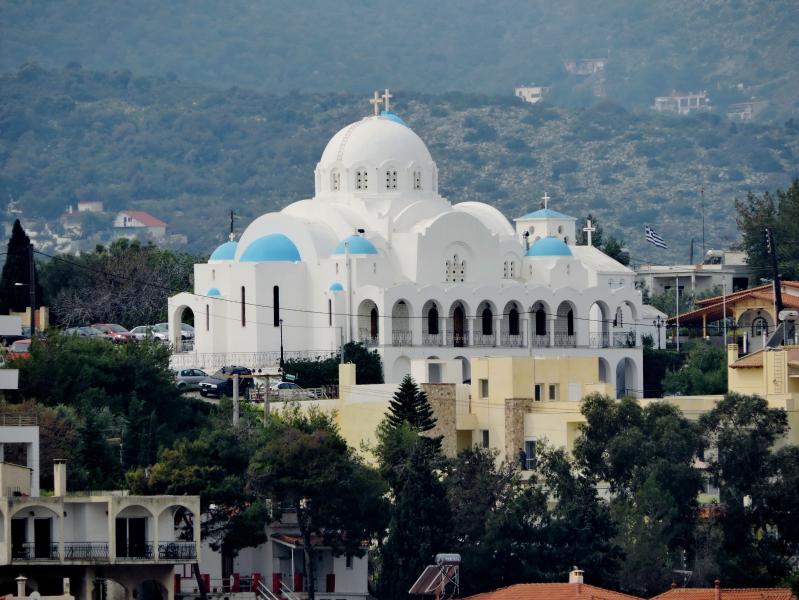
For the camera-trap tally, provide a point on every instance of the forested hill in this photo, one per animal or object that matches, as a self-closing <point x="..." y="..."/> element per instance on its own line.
<point x="736" y="49"/>
<point x="189" y="153"/>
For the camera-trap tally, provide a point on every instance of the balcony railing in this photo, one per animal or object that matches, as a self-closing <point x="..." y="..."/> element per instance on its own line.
<point x="177" y="551"/>
<point x="366" y="338"/>
<point x="143" y="551"/>
<point x="432" y="339"/>
<point x="541" y="341"/>
<point x="624" y="339"/>
<point x="85" y="551"/>
<point x="599" y="340"/>
<point x="17" y="419"/>
<point x="401" y="338"/>
<point x="484" y="339"/>
<point x="34" y="551"/>
<point x="512" y="341"/>
<point x="458" y="340"/>
<point x="565" y="340"/>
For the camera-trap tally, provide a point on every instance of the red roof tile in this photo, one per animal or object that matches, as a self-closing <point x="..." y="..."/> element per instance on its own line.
<point x="145" y="218"/>
<point x="552" y="591"/>
<point x="727" y="594"/>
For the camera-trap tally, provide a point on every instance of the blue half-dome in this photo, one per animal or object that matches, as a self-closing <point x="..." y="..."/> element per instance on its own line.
<point x="335" y="287"/>
<point x="549" y="246"/>
<point x="358" y="245"/>
<point x="226" y="251"/>
<point x="213" y="292"/>
<point x="392" y="117"/>
<point x="274" y="247"/>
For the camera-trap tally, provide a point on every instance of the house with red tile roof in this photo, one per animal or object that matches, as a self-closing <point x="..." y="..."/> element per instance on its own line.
<point x="719" y="593"/>
<point x="575" y="589"/>
<point x="135" y="223"/>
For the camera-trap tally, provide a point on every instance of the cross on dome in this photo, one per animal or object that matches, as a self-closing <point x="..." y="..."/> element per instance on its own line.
<point x="545" y="199"/>
<point x="589" y="229"/>
<point x="376" y="102"/>
<point x="386" y="97"/>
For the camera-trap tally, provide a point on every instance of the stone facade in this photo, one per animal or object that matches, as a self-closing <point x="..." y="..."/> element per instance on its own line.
<point x="515" y="409"/>
<point x="442" y="401"/>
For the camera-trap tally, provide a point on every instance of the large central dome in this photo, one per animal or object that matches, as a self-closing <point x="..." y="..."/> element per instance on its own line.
<point x="376" y="155"/>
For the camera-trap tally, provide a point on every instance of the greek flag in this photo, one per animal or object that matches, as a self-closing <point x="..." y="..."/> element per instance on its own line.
<point x="653" y="237"/>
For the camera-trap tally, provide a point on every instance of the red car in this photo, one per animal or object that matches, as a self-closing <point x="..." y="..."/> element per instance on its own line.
<point x="19" y="349"/>
<point x="116" y="332"/>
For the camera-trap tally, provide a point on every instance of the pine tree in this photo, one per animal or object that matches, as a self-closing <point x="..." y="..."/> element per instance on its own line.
<point x="17" y="270"/>
<point x="412" y="405"/>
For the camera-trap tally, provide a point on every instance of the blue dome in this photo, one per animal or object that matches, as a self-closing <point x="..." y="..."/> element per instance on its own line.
<point x="549" y="246"/>
<point x="358" y="245"/>
<point x="393" y="117"/>
<point x="274" y="247"/>
<point x="335" y="287"/>
<point x="213" y="292"/>
<point x="546" y="213"/>
<point x="226" y="251"/>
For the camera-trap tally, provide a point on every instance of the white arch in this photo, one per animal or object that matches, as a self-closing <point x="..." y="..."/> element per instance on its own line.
<point x="401" y="315"/>
<point x="368" y="322"/>
<point x="627" y="378"/>
<point x="401" y="368"/>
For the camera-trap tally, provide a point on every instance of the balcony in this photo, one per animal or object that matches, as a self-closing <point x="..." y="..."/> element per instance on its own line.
<point x="541" y="341"/>
<point x="599" y="340"/>
<point x="484" y="339"/>
<point x="432" y="339"/>
<point x="367" y="339"/>
<point x="34" y="551"/>
<point x="512" y="340"/>
<point x="87" y="551"/>
<point x="401" y="338"/>
<point x="139" y="551"/>
<point x="457" y="339"/>
<point x="624" y="339"/>
<point x="565" y="340"/>
<point x="177" y="551"/>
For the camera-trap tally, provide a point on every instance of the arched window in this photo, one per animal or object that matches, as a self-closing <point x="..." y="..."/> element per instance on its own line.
<point x="432" y="321"/>
<point x="335" y="181"/>
<point x="276" y="306"/>
<point x="540" y="322"/>
<point x="417" y="180"/>
<point x="463" y="270"/>
<point x="619" y="320"/>
<point x="513" y="322"/>
<point x="570" y="322"/>
<point x="336" y="268"/>
<point x="373" y="330"/>
<point x="243" y="308"/>
<point x="512" y="269"/>
<point x="207" y="317"/>
<point x="759" y="326"/>
<point x="329" y="312"/>
<point x="361" y="179"/>
<point x="455" y="270"/>
<point x="488" y="321"/>
<point x="391" y="179"/>
<point x="213" y="274"/>
<point x="505" y="270"/>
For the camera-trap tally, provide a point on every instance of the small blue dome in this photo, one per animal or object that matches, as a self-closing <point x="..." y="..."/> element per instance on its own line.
<point x="549" y="246"/>
<point x="358" y="245"/>
<point x="335" y="287"/>
<point x="213" y="292"/>
<point x="393" y="117"/>
<point x="274" y="247"/>
<point x="226" y="251"/>
<point x="546" y="213"/>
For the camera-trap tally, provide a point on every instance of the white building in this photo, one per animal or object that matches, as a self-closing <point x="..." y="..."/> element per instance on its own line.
<point x="133" y="223"/>
<point x="682" y="102"/>
<point x="378" y="256"/>
<point x="531" y="93"/>
<point x="720" y="270"/>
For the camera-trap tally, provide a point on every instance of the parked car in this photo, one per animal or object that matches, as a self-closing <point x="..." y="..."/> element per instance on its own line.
<point x="87" y="332"/>
<point x="287" y="389"/>
<point x="19" y="349"/>
<point x="189" y="379"/>
<point x="221" y="382"/>
<point x="7" y="340"/>
<point x="118" y="333"/>
<point x="186" y="330"/>
<point x="150" y="331"/>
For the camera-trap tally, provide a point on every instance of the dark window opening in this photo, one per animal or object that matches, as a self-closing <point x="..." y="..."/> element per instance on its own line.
<point x="540" y="322"/>
<point x="513" y="322"/>
<point x="243" y="308"/>
<point x="276" y="306"/>
<point x="570" y="322"/>
<point x="488" y="321"/>
<point x="432" y="321"/>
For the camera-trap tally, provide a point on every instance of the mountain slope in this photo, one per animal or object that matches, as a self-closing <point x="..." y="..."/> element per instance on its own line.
<point x="734" y="48"/>
<point x="189" y="153"/>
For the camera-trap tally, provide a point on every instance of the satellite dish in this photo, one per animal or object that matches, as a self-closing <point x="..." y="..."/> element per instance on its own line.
<point x="35" y="596"/>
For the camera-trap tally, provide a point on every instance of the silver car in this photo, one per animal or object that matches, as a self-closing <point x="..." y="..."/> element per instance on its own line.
<point x="150" y="331"/>
<point x="189" y="379"/>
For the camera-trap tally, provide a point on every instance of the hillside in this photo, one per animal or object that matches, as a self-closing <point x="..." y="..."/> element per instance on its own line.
<point x="189" y="153"/>
<point x="736" y="49"/>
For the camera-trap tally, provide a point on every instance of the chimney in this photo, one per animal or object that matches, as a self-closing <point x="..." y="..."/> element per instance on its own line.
<point x="576" y="576"/>
<point x="60" y="477"/>
<point x="21" y="581"/>
<point x="717" y="585"/>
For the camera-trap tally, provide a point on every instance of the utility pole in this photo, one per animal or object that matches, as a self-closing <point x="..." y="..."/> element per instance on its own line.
<point x="677" y="296"/>
<point x="282" y="370"/>
<point x="702" y="195"/>
<point x="32" y="289"/>
<point x="771" y="250"/>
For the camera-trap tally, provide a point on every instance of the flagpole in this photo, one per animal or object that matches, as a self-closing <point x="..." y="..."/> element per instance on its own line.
<point x="724" y="304"/>
<point x="677" y="296"/>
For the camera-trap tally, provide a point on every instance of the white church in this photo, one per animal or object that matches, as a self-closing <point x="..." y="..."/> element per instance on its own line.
<point x="377" y="256"/>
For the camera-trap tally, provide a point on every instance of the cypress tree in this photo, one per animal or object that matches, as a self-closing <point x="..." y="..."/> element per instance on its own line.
<point x="17" y="270"/>
<point x="411" y="404"/>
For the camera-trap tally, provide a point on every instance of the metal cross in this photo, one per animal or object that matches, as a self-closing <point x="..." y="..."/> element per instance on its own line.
<point x="376" y="102"/>
<point x="545" y="198"/>
<point x="386" y="97"/>
<point x="589" y="230"/>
